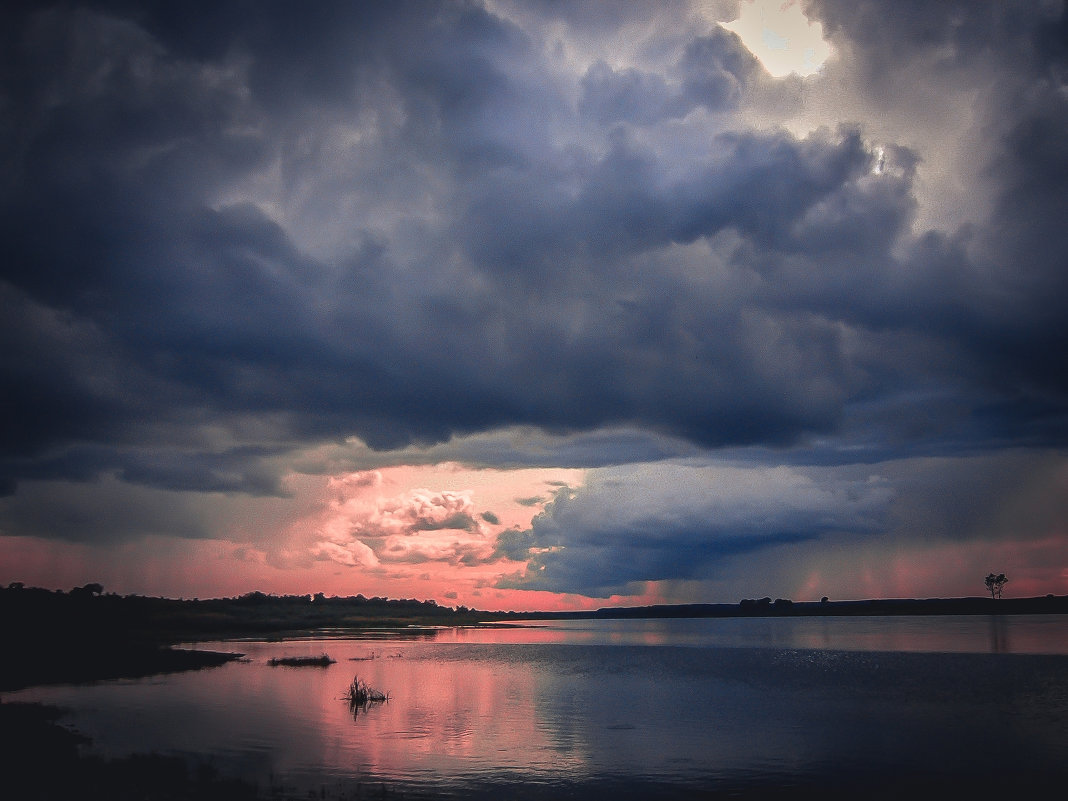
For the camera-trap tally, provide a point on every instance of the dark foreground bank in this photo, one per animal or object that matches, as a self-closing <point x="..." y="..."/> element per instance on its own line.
<point x="77" y="637"/>
<point x="27" y="667"/>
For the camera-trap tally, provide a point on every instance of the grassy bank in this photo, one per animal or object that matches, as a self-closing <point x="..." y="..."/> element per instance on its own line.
<point x="43" y="760"/>
<point x="117" y="660"/>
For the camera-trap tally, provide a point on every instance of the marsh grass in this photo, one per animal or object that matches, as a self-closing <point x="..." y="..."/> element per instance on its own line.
<point x="360" y="695"/>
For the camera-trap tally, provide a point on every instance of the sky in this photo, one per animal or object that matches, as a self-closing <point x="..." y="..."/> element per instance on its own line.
<point x="535" y="305"/>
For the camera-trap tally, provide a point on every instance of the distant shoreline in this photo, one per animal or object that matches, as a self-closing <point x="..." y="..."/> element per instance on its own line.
<point x="765" y="607"/>
<point x="86" y="635"/>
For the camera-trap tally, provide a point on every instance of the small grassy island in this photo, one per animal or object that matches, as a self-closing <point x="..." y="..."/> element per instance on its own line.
<point x="322" y="660"/>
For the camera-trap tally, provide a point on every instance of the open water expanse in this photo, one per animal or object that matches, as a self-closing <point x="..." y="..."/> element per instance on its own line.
<point x="624" y="709"/>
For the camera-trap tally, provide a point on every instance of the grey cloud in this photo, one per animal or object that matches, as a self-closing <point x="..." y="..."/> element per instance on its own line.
<point x="716" y="72"/>
<point x="507" y="448"/>
<point x="627" y="96"/>
<point x="717" y="69"/>
<point x="606" y="14"/>
<point x="459" y="520"/>
<point x="248" y="470"/>
<point x="759" y="184"/>
<point x="515" y="544"/>
<point x="951" y="34"/>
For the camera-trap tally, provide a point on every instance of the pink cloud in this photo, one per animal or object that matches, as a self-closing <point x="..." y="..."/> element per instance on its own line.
<point x="444" y="518"/>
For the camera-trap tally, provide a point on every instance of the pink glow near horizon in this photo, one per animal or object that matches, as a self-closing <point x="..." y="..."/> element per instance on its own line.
<point x="919" y="570"/>
<point x="430" y="532"/>
<point x="177" y="568"/>
<point x="215" y="568"/>
<point x="425" y="532"/>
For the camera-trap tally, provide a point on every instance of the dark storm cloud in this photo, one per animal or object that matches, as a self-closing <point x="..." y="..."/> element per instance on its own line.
<point x="626" y="96"/>
<point x="996" y="291"/>
<point x="234" y="230"/>
<point x="717" y="72"/>
<point x="604" y="15"/>
<point x="671" y="521"/>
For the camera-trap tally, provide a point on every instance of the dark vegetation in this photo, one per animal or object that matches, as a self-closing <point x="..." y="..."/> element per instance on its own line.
<point x="995" y="583"/>
<point x="362" y="696"/>
<point x="252" y="613"/>
<point x="301" y="661"/>
<point x="86" y="634"/>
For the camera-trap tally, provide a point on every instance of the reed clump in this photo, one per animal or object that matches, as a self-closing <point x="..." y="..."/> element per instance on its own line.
<point x="361" y="694"/>
<point x="323" y="660"/>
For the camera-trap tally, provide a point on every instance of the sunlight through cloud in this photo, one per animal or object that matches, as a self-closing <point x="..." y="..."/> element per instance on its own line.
<point x="779" y="34"/>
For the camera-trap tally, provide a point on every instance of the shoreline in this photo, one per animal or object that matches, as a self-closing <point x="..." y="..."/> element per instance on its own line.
<point x="781" y="607"/>
<point x="56" y="637"/>
<point x="37" y="668"/>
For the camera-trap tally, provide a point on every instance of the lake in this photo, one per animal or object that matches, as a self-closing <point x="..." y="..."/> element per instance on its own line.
<point x="625" y="708"/>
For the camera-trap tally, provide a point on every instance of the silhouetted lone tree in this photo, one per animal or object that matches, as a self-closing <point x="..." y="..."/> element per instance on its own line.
<point x="995" y="584"/>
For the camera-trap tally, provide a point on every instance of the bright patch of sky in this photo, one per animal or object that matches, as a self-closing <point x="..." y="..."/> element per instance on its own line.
<point x="781" y="36"/>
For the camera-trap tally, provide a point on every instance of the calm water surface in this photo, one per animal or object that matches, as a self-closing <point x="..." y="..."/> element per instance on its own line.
<point x="644" y="708"/>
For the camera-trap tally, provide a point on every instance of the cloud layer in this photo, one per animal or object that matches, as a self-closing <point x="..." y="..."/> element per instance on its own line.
<point x="244" y="240"/>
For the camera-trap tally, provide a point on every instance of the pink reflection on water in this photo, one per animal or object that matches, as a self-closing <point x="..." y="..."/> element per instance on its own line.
<point x="444" y="717"/>
<point x="572" y="632"/>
